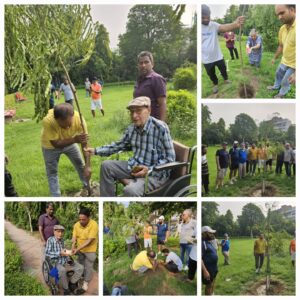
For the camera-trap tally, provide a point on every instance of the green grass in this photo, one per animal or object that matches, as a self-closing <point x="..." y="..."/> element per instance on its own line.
<point x="23" y="147"/>
<point x="243" y="187"/>
<point x="238" y="277"/>
<point x="159" y="282"/>
<point x="258" y="78"/>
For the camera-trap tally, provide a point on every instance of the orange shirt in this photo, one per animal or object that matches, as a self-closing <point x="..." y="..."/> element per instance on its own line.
<point x="147" y="232"/>
<point x="96" y="90"/>
<point x="293" y="245"/>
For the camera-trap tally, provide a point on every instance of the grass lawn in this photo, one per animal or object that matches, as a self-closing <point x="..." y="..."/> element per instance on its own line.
<point x="239" y="277"/>
<point x="157" y="283"/>
<point x="23" y="147"/>
<point x="285" y="187"/>
<point x="258" y="78"/>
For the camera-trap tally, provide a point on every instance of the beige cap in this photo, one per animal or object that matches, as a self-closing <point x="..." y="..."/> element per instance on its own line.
<point x="140" y="101"/>
<point x="58" y="227"/>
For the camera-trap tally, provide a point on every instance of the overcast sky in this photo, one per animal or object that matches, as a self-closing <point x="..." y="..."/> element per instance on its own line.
<point x="218" y="11"/>
<point x="258" y="111"/>
<point x="236" y="206"/>
<point x="114" y="18"/>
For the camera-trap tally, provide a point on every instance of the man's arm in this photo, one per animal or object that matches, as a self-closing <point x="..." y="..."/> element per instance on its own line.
<point x="277" y="53"/>
<point x="80" y="138"/>
<point x="206" y="274"/>
<point x="235" y="25"/>
<point x="42" y="235"/>
<point x="218" y="163"/>
<point x="162" y="104"/>
<point x="83" y="245"/>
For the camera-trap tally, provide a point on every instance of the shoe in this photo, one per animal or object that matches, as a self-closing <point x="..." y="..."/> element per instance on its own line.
<point x="85" y="285"/>
<point x="102" y="112"/>
<point x="257" y="271"/>
<point x="215" y="90"/>
<point x="278" y="96"/>
<point x="228" y="81"/>
<point x="271" y="88"/>
<point x="67" y="292"/>
<point x="231" y="182"/>
<point x="72" y="286"/>
<point x="185" y="268"/>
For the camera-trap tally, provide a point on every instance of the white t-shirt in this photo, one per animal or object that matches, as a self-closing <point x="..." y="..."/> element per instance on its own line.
<point x="175" y="259"/>
<point x="211" y="50"/>
<point x="193" y="253"/>
<point x="187" y="231"/>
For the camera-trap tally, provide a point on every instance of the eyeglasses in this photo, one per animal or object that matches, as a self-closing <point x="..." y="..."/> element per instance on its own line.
<point x="136" y="110"/>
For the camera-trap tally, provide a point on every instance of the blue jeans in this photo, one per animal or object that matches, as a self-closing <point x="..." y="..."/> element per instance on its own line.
<point x="51" y="158"/>
<point x="283" y="73"/>
<point x="185" y="249"/>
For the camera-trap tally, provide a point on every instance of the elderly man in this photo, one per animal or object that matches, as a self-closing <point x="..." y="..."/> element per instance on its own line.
<point x="55" y="250"/>
<point x="285" y="73"/>
<point x="188" y="228"/>
<point x="144" y="261"/>
<point x="209" y="263"/>
<point x="47" y="222"/>
<point x="61" y="132"/>
<point x="84" y="243"/>
<point x="152" y="145"/>
<point x="212" y="56"/>
<point x="152" y="85"/>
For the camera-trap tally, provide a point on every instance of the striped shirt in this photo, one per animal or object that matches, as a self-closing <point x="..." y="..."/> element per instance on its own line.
<point x="54" y="248"/>
<point x="152" y="146"/>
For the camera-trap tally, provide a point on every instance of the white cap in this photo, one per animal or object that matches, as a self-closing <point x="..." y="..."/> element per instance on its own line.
<point x="207" y="229"/>
<point x="161" y="218"/>
<point x="235" y="142"/>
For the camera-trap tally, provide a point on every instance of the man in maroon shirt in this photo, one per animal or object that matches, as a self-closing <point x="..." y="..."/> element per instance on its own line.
<point x="152" y="85"/>
<point x="47" y="222"/>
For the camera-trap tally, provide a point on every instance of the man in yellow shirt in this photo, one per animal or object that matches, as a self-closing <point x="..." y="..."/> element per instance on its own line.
<point x="252" y="158"/>
<point x="61" y="133"/>
<point x="84" y="243"/>
<point x="260" y="248"/>
<point x="286" y="70"/>
<point x="144" y="261"/>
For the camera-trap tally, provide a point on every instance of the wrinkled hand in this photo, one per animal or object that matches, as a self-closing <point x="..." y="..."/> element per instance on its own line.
<point x="141" y="173"/>
<point x="87" y="172"/>
<point x="81" y="138"/>
<point x="240" y="20"/>
<point x="89" y="151"/>
<point x="292" y="78"/>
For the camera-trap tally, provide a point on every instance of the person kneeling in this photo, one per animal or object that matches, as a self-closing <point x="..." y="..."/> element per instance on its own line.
<point x="144" y="261"/>
<point x="55" y="250"/>
<point x="173" y="262"/>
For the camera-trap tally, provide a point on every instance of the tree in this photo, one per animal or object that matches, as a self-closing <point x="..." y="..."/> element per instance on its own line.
<point x="39" y="40"/>
<point x="209" y="213"/>
<point x="153" y="28"/>
<point x="291" y="134"/>
<point x="244" y="128"/>
<point x="252" y="217"/>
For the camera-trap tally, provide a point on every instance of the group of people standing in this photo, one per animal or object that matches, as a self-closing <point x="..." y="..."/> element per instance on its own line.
<point x="248" y="159"/>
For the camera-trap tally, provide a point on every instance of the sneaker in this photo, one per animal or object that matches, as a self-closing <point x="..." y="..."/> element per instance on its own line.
<point x="228" y="81"/>
<point x="215" y="90"/>
<point x="271" y="88"/>
<point x="67" y="292"/>
<point x="102" y="112"/>
<point x="85" y="285"/>
<point x="257" y="271"/>
<point x="231" y="182"/>
<point x="278" y="96"/>
<point x="185" y="268"/>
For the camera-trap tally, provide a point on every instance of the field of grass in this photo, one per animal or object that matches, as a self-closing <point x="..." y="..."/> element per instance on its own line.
<point x="157" y="283"/>
<point x="23" y="147"/>
<point x="258" y="78"/>
<point x="285" y="187"/>
<point x="239" y="277"/>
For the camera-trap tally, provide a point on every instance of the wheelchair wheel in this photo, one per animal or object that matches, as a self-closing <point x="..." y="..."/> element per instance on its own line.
<point x="46" y="271"/>
<point x="188" y="191"/>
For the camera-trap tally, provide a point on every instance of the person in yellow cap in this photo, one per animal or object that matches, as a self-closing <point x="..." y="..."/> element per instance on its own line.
<point x="150" y="141"/>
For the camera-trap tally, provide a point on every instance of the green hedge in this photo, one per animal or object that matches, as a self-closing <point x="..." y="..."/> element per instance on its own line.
<point x="185" y="79"/>
<point x="18" y="283"/>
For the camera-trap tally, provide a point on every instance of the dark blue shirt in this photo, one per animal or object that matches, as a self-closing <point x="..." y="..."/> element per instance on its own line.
<point x="225" y="246"/>
<point x="223" y="158"/>
<point x="161" y="231"/>
<point x="234" y="155"/>
<point x="210" y="258"/>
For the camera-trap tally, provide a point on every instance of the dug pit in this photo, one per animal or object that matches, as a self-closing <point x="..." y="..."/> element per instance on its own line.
<point x="246" y="91"/>
<point x="263" y="190"/>
<point x="277" y="287"/>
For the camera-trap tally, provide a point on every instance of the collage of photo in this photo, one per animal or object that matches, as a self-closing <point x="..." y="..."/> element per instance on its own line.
<point x="106" y="106"/>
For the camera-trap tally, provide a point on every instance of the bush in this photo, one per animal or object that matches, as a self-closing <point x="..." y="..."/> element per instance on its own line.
<point x="21" y="284"/>
<point x="13" y="258"/>
<point x="276" y="243"/>
<point x="185" y="78"/>
<point x="182" y="114"/>
<point x="113" y="247"/>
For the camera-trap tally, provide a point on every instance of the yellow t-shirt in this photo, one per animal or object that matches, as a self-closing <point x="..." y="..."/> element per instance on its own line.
<point x="252" y="154"/>
<point x="260" y="246"/>
<point x="141" y="260"/>
<point x="52" y="131"/>
<point x="82" y="234"/>
<point x="287" y="38"/>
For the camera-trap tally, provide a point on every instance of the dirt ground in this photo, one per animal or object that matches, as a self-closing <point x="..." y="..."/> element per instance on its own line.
<point x="31" y="250"/>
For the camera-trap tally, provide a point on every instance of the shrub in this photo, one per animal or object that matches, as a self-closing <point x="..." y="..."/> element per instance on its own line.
<point x="182" y="114"/>
<point x="185" y="78"/>
<point x="276" y="242"/>
<point x="13" y="258"/>
<point x="22" y="284"/>
<point x="113" y="247"/>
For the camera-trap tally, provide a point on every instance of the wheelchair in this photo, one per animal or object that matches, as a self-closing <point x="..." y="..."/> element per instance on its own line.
<point x="179" y="183"/>
<point x="47" y="266"/>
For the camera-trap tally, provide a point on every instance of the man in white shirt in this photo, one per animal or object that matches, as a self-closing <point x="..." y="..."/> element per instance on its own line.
<point x="173" y="263"/>
<point x="212" y="56"/>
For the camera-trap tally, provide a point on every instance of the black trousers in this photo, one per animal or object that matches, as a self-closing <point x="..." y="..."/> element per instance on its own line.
<point x="205" y="183"/>
<point x="279" y="164"/>
<point x="211" y="70"/>
<point x="171" y="267"/>
<point x="192" y="268"/>
<point x="233" y="50"/>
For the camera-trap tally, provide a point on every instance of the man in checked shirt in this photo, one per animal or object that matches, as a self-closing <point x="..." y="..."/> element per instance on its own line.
<point x="150" y="141"/>
<point x="55" y="250"/>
